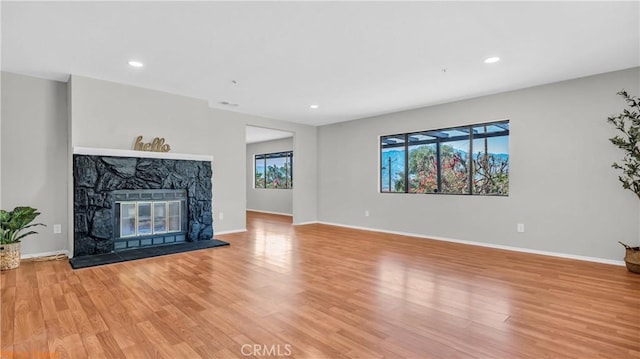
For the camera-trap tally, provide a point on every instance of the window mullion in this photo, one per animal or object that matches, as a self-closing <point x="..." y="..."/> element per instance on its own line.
<point x="438" y="167"/>
<point x="470" y="171"/>
<point x="406" y="163"/>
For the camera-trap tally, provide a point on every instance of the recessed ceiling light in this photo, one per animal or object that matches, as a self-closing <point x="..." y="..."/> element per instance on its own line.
<point x="134" y="63"/>
<point x="491" y="60"/>
<point x="314" y="106"/>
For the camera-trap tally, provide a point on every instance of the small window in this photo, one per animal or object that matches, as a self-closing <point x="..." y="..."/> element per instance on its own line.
<point x="274" y="170"/>
<point x="460" y="160"/>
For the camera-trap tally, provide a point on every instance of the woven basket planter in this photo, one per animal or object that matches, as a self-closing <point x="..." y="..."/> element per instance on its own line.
<point x="9" y="256"/>
<point x="632" y="258"/>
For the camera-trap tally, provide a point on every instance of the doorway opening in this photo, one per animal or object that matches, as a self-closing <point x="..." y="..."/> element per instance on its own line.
<point x="270" y="170"/>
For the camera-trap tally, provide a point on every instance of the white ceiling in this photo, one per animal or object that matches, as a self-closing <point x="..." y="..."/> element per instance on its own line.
<point x="260" y="134"/>
<point x="353" y="59"/>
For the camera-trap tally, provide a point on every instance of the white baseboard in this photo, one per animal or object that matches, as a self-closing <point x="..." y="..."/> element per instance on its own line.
<point x="270" y="212"/>
<point x="45" y="254"/>
<point x="482" y="244"/>
<point x="304" y="223"/>
<point x="229" y="232"/>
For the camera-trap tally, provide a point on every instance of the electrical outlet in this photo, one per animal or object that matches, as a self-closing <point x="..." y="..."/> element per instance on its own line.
<point x="366" y="213"/>
<point x="221" y="216"/>
<point x="520" y="228"/>
<point x="57" y="228"/>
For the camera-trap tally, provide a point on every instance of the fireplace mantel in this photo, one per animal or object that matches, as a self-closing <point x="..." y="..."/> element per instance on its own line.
<point x="140" y="154"/>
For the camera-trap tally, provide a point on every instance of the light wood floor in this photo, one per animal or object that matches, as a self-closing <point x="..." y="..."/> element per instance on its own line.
<point x="318" y="291"/>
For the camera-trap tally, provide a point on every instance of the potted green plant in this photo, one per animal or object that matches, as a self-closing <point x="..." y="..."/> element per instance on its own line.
<point x="628" y="140"/>
<point x="12" y="227"/>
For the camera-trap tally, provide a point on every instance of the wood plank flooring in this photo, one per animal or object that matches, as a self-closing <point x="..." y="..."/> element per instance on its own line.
<point x="317" y="291"/>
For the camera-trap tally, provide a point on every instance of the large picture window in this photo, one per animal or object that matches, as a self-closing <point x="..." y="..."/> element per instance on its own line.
<point x="460" y="160"/>
<point x="274" y="170"/>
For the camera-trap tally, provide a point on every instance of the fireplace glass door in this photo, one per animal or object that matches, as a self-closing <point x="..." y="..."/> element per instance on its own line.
<point x="174" y="217"/>
<point x="144" y="218"/>
<point x="159" y="217"/>
<point x="148" y="218"/>
<point x="128" y="219"/>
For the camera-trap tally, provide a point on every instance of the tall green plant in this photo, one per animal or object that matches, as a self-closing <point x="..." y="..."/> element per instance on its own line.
<point x="628" y="123"/>
<point x="12" y="224"/>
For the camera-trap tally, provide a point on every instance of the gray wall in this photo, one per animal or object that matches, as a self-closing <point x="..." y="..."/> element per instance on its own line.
<point x="1" y="128"/>
<point x="561" y="184"/>
<point x="42" y="121"/>
<point x="268" y="200"/>
<point x="34" y="156"/>
<point x="110" y="115"/>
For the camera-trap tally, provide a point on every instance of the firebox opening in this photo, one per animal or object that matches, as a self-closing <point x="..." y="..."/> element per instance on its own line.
<point x="149" y="218"/>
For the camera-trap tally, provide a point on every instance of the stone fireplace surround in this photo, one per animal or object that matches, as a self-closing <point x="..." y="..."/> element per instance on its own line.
<point x="98" y="174"/>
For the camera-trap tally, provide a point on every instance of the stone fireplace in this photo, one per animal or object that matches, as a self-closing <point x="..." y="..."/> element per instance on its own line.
<point x="122" y="203"/>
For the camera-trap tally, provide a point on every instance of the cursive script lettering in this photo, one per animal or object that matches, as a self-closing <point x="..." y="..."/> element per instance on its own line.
<point x="157" y="145"/>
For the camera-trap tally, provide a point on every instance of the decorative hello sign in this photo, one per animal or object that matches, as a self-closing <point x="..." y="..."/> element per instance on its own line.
<point x="157" y="145"/>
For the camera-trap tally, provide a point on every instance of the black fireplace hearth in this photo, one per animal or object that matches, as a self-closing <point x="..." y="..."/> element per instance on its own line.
<point x="147" y="252"/>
